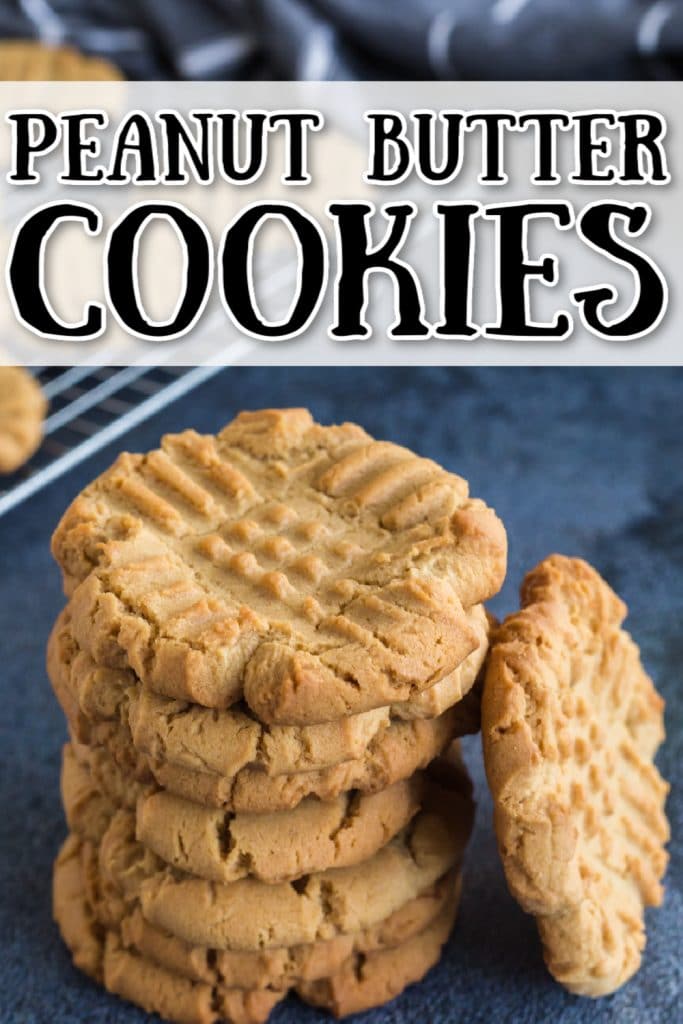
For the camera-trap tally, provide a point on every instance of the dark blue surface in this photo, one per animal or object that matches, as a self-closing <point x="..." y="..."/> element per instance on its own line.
<point x="366" y="39"/>
<point x="585" y="462"/>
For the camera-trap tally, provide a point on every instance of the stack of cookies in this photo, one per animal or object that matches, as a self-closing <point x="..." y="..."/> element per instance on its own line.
<point x="271" y="645"/>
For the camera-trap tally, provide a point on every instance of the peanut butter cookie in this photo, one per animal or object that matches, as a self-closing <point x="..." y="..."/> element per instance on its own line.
<point x="570" y="724"/>
<point x="310" y="571"/>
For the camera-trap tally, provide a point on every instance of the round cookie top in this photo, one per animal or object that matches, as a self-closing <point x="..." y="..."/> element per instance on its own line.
<point x="23" y="60"/>
<point x="22" y="412"/>
<point x="309" y="570"/>
<point x="570" y="725"/>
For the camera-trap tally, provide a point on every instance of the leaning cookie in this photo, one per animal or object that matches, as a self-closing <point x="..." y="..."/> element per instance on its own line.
<point x="570" y="725"/>
<point x="23" y="60"/>
<point x="22" y="414"/>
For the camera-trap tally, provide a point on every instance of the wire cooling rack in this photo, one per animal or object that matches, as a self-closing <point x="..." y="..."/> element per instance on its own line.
<point x="89" y="407"/>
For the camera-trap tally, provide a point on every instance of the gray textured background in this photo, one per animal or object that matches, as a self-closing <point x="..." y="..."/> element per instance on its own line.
<point x="586" y="462"/>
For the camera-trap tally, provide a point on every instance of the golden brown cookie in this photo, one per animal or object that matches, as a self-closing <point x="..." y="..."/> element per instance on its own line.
<point x="570" y="725"/>
<point x="87" y="808"/>
<point x="99" y="953"/>
<point x="275" y="847"/>
<point x="279" y="968"/>
<point x="22" y="413"/>
<point x="78" y="925"/>
<point x="395" y="754"/>
<point x="406" y="944"/>
<point x="23" y="60"/>
<point x="311" y="571"/>
<point x="250" y="915"/>
<point x="225" y="742"/>
<point x="270" y="847"/>
<point x="372" y="979"/>
<point x="175" y="998"/>
<point x="276" y="968"/>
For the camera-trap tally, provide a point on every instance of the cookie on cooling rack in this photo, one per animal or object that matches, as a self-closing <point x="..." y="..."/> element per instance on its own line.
<point x="22" y="414"/>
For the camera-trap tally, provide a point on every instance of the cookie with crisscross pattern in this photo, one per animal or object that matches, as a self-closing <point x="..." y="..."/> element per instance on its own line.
<point x="570" y="725"/>
<point x="310" y="571"/>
